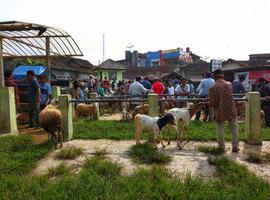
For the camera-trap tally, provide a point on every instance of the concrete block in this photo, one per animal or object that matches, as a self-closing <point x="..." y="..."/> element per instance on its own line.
<point x="66" y="110"/>
<point x="56" y="91"/>
<point x="8" y="122"/>
<point x="253" y="118"/>
<point x="153" y="104"/>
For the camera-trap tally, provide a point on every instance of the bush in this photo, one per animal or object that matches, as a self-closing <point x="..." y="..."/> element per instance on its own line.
<point x="60" y="170"/>
<point x="254" y="157"/>
<point x="210" y="150"/>
<point x="69" y="153"/>
<point x="147" y="153"/>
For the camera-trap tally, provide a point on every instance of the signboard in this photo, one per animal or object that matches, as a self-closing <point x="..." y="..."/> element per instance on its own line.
<point x="259" y="74"/>
<point x="216" y="64"/>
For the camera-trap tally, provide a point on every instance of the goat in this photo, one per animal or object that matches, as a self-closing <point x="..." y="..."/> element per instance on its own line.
<point x="125" y="108"/>
<point x="151" y="124"/>
<point x="183" y="117"/>
<point x="240" y="108"/>
<point x="85" y="110"/>
<point x="141" y="109"/>
<point x="50" y="120"/>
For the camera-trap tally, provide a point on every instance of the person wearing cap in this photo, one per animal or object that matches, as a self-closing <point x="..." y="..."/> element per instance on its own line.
<point x="221" y="99"/>
<point x="46" y="92"/>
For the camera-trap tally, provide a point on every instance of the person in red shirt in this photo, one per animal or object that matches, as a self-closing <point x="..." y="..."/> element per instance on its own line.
<point x="158" y="87"/>
<point x="9" y="82"/>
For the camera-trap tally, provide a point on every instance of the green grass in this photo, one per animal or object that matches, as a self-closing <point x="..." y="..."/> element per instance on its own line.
<point x="102" y="179"/>
<point x="254" y="157"/>
<point x="19" y="156"/>
<point x="258" y="158"/>
<point x="100" y="152"/>
<point x="210" y="150"/>
<point x="147" y="153"/>
<point x="121" y="130"/>
<point x="60" y="170"/>
<point x="69" y="153"/>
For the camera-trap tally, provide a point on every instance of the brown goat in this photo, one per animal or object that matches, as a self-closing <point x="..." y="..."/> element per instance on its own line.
<point x="50" y="120"/>
<point x="85" y="110"/>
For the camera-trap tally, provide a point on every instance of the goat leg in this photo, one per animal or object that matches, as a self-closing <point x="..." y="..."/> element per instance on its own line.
<point x="61" y="137"/>
<point x="168" y="135"/>
<point x="55" y="141"/>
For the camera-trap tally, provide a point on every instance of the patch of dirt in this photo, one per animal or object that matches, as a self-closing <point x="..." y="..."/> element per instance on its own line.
<point x="188" y="160"/>
<point x="114" y="117"/>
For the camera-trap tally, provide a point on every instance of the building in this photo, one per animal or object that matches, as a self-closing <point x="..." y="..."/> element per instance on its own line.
<point x="111" y="70"/>
<point x="258" y="66"/>
<point x="63" y="68"/>
<point x="71" y="68"/>
<point x="160" y="57"/>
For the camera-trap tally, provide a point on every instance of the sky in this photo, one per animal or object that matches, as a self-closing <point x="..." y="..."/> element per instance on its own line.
<point x="213" y="29"/>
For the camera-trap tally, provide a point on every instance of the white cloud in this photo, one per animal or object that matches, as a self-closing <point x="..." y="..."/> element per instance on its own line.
<point x="216" y="28"/>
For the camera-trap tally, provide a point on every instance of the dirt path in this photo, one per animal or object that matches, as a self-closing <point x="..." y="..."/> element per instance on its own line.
<point x="188" y="160"/>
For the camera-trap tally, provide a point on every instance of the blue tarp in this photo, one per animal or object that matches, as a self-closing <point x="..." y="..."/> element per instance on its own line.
<point x="20" y="72"/>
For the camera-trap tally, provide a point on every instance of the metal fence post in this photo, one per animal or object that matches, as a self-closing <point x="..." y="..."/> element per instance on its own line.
<point x="66" y="110"/>
<point x="93" y="95"/>
<point x="253" y="118"/>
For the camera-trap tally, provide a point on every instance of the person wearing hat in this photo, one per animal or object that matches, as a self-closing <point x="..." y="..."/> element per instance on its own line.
<point x="221" y="99"/>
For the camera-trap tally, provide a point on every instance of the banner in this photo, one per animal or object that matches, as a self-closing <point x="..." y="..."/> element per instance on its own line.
<point x="216" y="64"/>
<point x="259" y="74"/>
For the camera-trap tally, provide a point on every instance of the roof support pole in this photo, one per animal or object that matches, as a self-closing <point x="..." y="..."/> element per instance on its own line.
<point x="2" y="83"/>
<point x="48" y="59"/>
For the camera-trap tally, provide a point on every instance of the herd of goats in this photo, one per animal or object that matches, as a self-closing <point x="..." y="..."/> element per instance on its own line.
<point x="175" y="118"/>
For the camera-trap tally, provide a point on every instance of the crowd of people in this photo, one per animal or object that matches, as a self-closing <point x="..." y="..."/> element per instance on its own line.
<point x="170" y="89"/>
<point x="213" y="86"/>
<point x="39" y="94"/>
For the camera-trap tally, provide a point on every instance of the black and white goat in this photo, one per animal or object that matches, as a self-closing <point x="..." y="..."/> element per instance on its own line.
<point x="153" y="125"/>
<point x="183" y="117"/>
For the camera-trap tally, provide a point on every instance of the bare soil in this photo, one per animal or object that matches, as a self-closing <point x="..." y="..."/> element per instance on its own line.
<point x="187" y="160"/>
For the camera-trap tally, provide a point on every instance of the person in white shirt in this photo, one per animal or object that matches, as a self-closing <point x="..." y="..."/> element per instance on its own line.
<point x="182" y="91"/>
<point x="135" y="90"/>
<point x="170" y="92"/>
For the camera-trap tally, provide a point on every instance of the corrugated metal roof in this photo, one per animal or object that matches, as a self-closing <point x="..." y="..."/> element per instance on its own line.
<point x="28" y="39"/>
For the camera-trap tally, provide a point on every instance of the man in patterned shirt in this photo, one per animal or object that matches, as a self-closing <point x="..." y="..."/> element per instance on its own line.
<point x="221" y="99"/>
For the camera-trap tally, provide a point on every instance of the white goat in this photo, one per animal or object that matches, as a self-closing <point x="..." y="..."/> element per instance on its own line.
<point x="151" y="124"/>
<point x="182" y="119"/>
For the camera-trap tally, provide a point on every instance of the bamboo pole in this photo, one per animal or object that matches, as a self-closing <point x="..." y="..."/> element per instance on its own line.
<point x="2" y="82"/>
<point x="48" y="60"/>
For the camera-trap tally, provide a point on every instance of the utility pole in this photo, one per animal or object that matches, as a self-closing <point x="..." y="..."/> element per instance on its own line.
<point x="103" y="51"/>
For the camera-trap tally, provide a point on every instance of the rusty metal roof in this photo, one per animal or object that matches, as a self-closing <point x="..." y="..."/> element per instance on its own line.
<point x="28" y="39"/>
